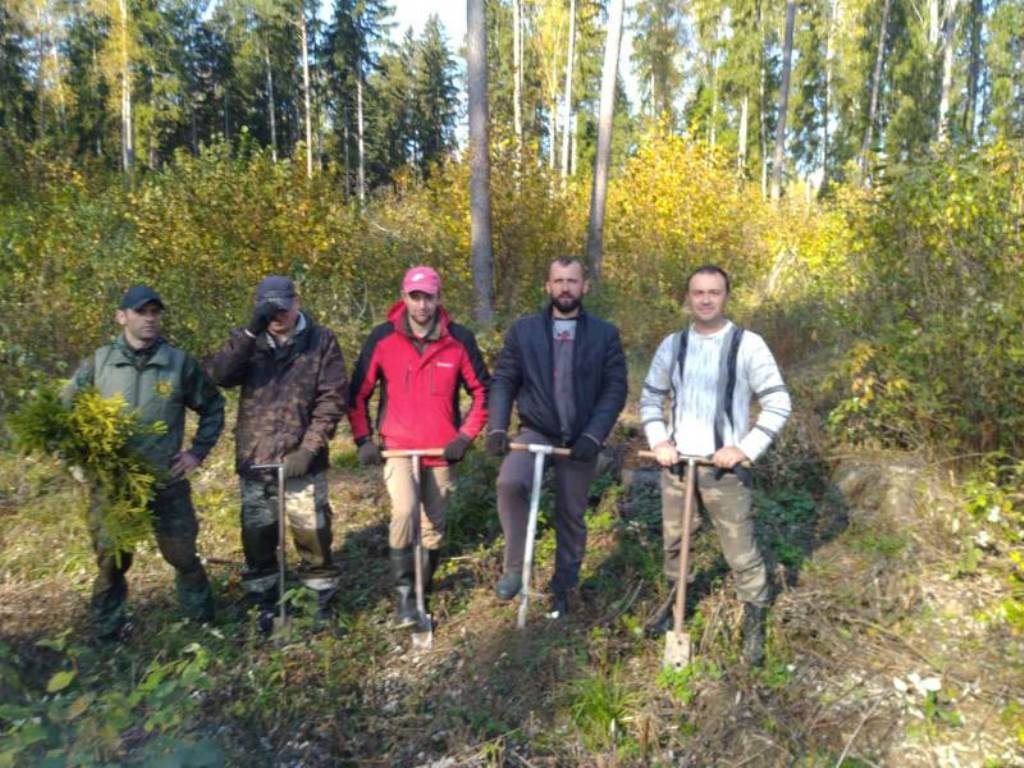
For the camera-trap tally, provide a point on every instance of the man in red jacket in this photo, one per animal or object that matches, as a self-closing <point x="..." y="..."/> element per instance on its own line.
<point x="421" y="359"/>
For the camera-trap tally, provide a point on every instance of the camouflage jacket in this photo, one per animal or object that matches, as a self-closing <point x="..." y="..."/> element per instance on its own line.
<point x="160" y="383"/>
<point x="292" y="395"/>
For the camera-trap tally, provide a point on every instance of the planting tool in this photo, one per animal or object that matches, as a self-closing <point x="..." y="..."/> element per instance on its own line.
<point x="423" y="632"/>
<point x="281" y="621"/>
<point x="539" y="451"/>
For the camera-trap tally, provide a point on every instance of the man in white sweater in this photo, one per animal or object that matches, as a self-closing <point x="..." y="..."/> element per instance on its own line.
<point x="709" y="373"/>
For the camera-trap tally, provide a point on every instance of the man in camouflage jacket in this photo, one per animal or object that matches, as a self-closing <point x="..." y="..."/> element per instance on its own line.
<point x="294" y="392"/>
<point x="160" y="381"/>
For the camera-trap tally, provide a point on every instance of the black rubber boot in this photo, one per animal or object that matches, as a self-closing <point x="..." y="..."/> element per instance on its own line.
<point x="752" y="629"/>
<point x="431" y="559"/>
<point x="509" y="584"/>
<point x="403" y="570"/>
<point x="558" y="605"/>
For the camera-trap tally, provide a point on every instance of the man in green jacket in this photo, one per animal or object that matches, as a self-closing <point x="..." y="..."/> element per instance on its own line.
<point x="160" y="382"/>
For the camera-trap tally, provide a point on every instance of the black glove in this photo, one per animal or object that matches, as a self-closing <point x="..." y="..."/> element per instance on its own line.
<point x="261" y="317"/>
<point x="584" y="449"/>
<point x="456" y="448"/>
<point x="369" y="454"/>
<point x="496" y="443"/>
<point x="296" y="463"/>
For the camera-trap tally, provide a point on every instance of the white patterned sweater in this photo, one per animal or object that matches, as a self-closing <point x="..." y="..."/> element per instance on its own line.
<point x="697" y="401"/>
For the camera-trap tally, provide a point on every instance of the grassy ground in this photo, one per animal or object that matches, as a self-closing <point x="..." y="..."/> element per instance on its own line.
<point x="884" y="646"/>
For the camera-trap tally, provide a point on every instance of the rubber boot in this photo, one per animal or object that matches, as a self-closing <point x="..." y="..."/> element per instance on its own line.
<point x="508" y="585"/>
<point x="403" y="570"/>
<point x="752" y="630"/>
<point x="661" y="621"/>
<point x="431" y="559"/>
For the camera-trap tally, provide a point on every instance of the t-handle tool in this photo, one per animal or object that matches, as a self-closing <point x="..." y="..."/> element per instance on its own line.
<point x="423" y="632"/>
<point x="539" y="451"/>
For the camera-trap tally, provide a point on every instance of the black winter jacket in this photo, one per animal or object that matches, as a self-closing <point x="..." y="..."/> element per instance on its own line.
<point x="525" y="374"/>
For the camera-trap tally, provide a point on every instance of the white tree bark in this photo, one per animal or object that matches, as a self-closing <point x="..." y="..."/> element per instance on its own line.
<point x="360" y="144"/>
<point x="876" y="87"/>
<point x="780" y="127"/>
<point x="305" y="92"/>
<point x="127" y="130"/>
<point x="482" y="256"/>
<point x="567" y="104"/>
<point x="270" y="103"/>
<point x="948" y="55"/>
<point x="741" y="158"/>
<point x="602" y="160"/>
<point x="517" y="72"/>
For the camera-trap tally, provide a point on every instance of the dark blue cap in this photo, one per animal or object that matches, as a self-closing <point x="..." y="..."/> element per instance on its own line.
<point x="277" y="289"/>
<point x="139" y="296"/>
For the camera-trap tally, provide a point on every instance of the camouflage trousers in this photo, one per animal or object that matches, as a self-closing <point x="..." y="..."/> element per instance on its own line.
<point x="175" y="527"/>
<point x="308" y="512"/>
<point x="727" y="502"/>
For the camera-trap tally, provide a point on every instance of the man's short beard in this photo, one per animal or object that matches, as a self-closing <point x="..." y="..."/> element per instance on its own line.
<point x="575" y="304"/>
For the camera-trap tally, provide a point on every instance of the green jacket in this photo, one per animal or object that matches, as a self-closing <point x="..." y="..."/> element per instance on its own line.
<point x="160" y="382"/>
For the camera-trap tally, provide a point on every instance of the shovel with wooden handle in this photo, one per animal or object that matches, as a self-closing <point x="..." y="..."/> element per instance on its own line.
<point x="423" y="632"/>
<point x="539" y="451"/>
<point x="678" y="649"/>
<point x="281" y="622"/>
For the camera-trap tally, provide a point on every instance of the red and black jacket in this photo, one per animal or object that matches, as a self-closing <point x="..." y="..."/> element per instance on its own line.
<point x="419" y="399"/>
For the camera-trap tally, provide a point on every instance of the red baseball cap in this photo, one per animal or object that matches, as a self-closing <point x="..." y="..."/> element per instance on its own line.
<point x="421" y="279"/>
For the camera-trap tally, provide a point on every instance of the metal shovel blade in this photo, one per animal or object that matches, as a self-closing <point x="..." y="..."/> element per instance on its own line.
<point x="677" y="650"/>
<point x="282" y="625"/>
<point x="423" y="633"/>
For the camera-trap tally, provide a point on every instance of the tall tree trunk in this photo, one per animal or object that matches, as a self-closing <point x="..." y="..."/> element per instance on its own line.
<point x="480" y="163"/>
<point x="573" y="147"/>
<point x="948" y="56"/>
<point x="834" y="9"/>
<point x="270" y="103"/>
<point x="713" y="117"/>
<point x="567" y="106"/>
<point x="780" y="126"/>
<point x="348" y="165"/>
<point x="602" y="159"/>
<point x="741" y="154"/>
<point x="58" y="78"/>
<point x="973" y="69"/>
<point x="517" y="72"/>
<point x="876" y="87"/>
<point x="360" y="144"/>
<point x="305" y="92"/>
<point x="553" y="129"/>
<point x="127" y="131"/>
<point x="40" y="74"/>
<point x="762" y="104"/>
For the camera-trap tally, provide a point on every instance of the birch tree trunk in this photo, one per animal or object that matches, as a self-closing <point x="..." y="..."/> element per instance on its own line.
<point x="831" y="21"/>
<point x="270" y="102"/>
<point x="945" y="96"/>
<point x="360" y="144"/>
<point x="602" y="160"/>
<point x="973" y="71"/>
<point x="780" y="126"/>
<point x="762" y="106"/>
<point x="876" y="86"/>
<point x="567" y="106"/>
<point x="305" y="92"/>
<point x="127" y="131"/>
<point x="517" y="72"/>
<point x="741" y="154"/>
<point x="480" y="163"/>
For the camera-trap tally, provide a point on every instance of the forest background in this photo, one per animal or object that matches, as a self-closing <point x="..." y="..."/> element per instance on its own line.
<point x="857" y="165"/>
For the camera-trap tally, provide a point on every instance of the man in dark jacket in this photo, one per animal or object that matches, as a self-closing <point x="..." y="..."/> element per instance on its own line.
<point x="294" y="392"/>
<point x="566" y="372"/>
<point x="160" y="382"/>
<point x="422" y="360"/>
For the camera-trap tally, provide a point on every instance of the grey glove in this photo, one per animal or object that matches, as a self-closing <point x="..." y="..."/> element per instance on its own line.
<point x="296" y="463"/>
<point x="369" y="454"/>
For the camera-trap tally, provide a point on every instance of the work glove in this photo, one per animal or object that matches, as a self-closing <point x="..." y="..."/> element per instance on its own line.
<point x="585" y="449"/>
<point x="369" y="454"/>
<point x="296" y="463"/>
<point x="496" y="443"/>
<point x="261" y="317"/>
<point x="456" y="449"/>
